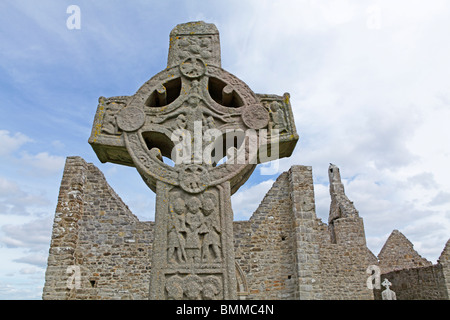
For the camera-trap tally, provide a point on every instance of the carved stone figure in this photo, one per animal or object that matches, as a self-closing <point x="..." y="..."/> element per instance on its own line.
<point x="211" y="239"/>
<point x="278" y="117"/>
<point x="194" y="220"/>
<point x="176" y="241"/>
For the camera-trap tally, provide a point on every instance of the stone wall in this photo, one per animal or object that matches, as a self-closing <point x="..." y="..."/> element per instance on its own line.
<point x="286" y="252"/>
<point x="444" y="261"/>
<point x="398" y="253"/>
<point x="69" y="210"/>
<point x="422" y="281"/>
<point x="305" y="228"/>
<point x="264" y="246"/>
<point x="282" y="252"/>
<point x="425" y="283"/>
<point x="344" y="263"/>
<point x="331" y="262"/>
<point x="96" y="238"/>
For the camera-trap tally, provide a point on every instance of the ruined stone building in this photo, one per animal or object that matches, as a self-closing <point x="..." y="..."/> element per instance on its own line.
<point x="282" y="252"/>
<point x="194" y="250"/>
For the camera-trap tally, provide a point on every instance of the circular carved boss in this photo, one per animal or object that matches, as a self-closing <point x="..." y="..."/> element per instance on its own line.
<point x="255" y="116"/>
<point x="192" y="68"/>
<point x="194" y="178"/>
<point x="130" y="119"/>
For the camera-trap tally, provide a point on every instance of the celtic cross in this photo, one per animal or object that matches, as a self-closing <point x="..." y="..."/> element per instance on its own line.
<point x="215" y="130"/>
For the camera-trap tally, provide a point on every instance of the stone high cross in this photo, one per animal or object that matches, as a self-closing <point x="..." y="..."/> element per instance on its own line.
<point x="196" y="114"/>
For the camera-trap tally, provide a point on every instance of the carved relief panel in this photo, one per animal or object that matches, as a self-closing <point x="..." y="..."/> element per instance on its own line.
<point x="194" y="287"/>
<point x="193" y="229"/>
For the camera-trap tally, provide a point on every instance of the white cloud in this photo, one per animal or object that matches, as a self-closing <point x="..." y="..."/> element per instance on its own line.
<point x="29" y="270"/>
<point x="22" y="288"/>
<point x="57" y="144"/>
<point x="36" y="259"/>
<point x="440" y="199"/>
<point x="33" y="235"/>
<point x="42" y="163"/>
<point x="16" y="201"/>
<point x="8" y="187"/>
<point x="10" y="143"/>
<point x="247" y="199"/>
<point x="424" y="179"/>
<point x="371" y="100"/>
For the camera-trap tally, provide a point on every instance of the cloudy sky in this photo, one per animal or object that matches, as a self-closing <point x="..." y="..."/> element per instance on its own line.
<point x="369" y="84"/>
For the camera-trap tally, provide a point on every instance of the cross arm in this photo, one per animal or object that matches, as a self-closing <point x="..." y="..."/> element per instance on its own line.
<point x="106" y="137"/>
<point x="281" y="121"/>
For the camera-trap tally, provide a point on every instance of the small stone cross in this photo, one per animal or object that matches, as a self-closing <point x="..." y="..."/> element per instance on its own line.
<point x="387" y="294"/>
<point x="215" y="130"/>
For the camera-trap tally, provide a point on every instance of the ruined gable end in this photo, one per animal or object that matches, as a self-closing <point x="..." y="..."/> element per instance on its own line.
<point x="444" y="261"/>
<point x="99" y="249"/>
<point x="398" y="253"/>
<point x="445" y="255"/>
